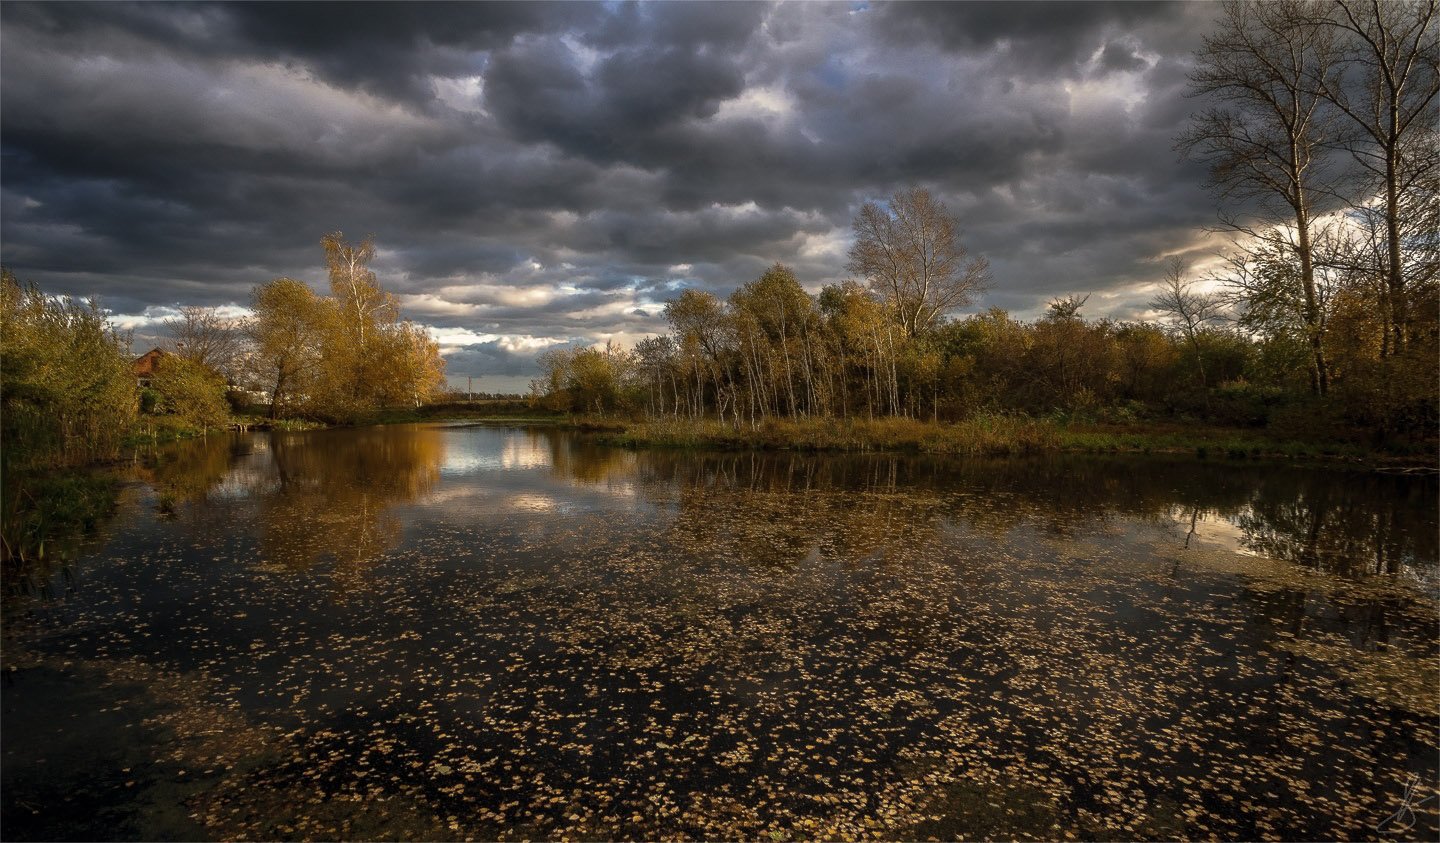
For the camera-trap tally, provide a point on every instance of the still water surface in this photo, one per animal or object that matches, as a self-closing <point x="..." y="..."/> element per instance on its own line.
<point x="457" y="631"/>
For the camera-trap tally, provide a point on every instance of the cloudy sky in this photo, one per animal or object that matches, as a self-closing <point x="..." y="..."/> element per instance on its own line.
<point x="538" y="173"/>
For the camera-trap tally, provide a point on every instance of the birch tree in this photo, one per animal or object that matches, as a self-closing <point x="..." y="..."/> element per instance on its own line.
<point x="911" y="255"/>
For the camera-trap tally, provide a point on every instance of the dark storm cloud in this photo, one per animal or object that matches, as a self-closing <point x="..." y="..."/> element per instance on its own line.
<point x="1042" y="38"/>
<point x="393" y="49"/>
<point x="543" y="173"/>
<point x="620" y="111"/>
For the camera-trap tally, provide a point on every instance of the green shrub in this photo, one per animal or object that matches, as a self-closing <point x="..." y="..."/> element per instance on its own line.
<point x="67" y="391"/>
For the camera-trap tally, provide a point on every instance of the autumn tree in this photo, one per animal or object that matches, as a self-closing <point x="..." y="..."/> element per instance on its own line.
<point x="369" y="358"/>
<point x="191" y="391"/>
<point x="1265" y="140"/>
<point x="406" y="365"/>
<point x="774" y="320"/>
<point x="700" y="324"/>
<point x="67" y="391"/>
<point x="655" y="363"/>
<point x="585" y="380"/>
<point x="355" y="289"/>
<point x="286" y="332"/>
<point x="1069" y="360"/>
<point x="549" y="388"/>
<point x="910" y="253"/>
<point x="341" y="356"/>
<point x="359" y="306"/>
<point x="865" y="332"/>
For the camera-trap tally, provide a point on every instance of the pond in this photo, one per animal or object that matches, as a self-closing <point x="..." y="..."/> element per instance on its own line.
<point x="458" y="631"/>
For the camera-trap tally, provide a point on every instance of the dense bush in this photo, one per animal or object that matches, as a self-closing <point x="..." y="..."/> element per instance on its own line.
<point x="191" y="392"/>
<point x="67" y="394"/>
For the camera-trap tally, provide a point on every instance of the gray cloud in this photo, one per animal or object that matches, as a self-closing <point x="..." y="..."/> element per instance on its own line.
<point x="548" y="172"/>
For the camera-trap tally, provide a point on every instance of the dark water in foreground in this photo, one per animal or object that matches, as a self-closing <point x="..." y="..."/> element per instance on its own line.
<point x="450" y="632"/>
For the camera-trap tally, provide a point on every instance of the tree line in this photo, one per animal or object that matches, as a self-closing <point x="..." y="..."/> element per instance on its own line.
<point x="69" y="392"/>
<point x="772" y="350"/>
<point x="332" y="358"/>
<point x="1321" y="143"/>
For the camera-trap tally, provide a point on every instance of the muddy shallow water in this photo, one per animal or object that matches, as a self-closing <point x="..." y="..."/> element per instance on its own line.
<point x="437" y="631"/>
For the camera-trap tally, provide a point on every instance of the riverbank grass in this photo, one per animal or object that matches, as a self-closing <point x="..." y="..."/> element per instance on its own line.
<point x="979" y="436"/>
<point x="995" y="435"/>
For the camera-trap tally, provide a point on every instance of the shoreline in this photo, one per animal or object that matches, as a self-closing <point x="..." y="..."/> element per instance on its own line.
<point x="981" y="435"/>
<point x="991" y="436"/>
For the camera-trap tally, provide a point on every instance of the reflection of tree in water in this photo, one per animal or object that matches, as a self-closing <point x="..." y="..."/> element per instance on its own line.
<point x="1349" y="525"/>
<point x="778" y="506"/>
<point x="317" y="495"/>
<point x="189" y="472"/>
<point x="576" y="458"/>
<point x="334" y="491"/>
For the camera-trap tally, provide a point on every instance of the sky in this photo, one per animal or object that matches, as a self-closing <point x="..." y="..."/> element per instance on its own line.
<point x="549" y="173"/>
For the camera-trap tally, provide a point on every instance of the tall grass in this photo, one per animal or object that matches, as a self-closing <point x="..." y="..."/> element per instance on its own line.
<point x="44" y="511"/>
<point x="991" y="434"/>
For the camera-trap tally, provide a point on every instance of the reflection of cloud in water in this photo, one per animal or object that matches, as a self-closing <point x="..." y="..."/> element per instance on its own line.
<point x="471" y="451"/>
<point x="1210" y="529"/>
<point x="534" y="502"/>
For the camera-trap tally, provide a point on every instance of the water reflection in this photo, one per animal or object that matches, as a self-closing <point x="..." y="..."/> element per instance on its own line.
<point x="334" y="496"/>
<point x="541" y="637"/>
<point x="1349" y="523"/>
<point x="190" y="471"/>
<point x="330" y="495"/>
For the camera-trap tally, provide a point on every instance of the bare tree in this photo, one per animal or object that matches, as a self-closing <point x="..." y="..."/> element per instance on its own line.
<point x="202" y="335"/>
<point x="1062" y="309"/>
<point x="910" y="253"/>
<point x="1266" y="140"/>
<point x="1188" y="313"/>
<point x="1391" y="47"/>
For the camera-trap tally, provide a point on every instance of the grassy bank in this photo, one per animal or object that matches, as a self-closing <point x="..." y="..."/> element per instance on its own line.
<point x="987" y="435"/>
<point x="982" y="435"/>
<point x="518" y="412"/>
<point x="1000" y="435"/>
